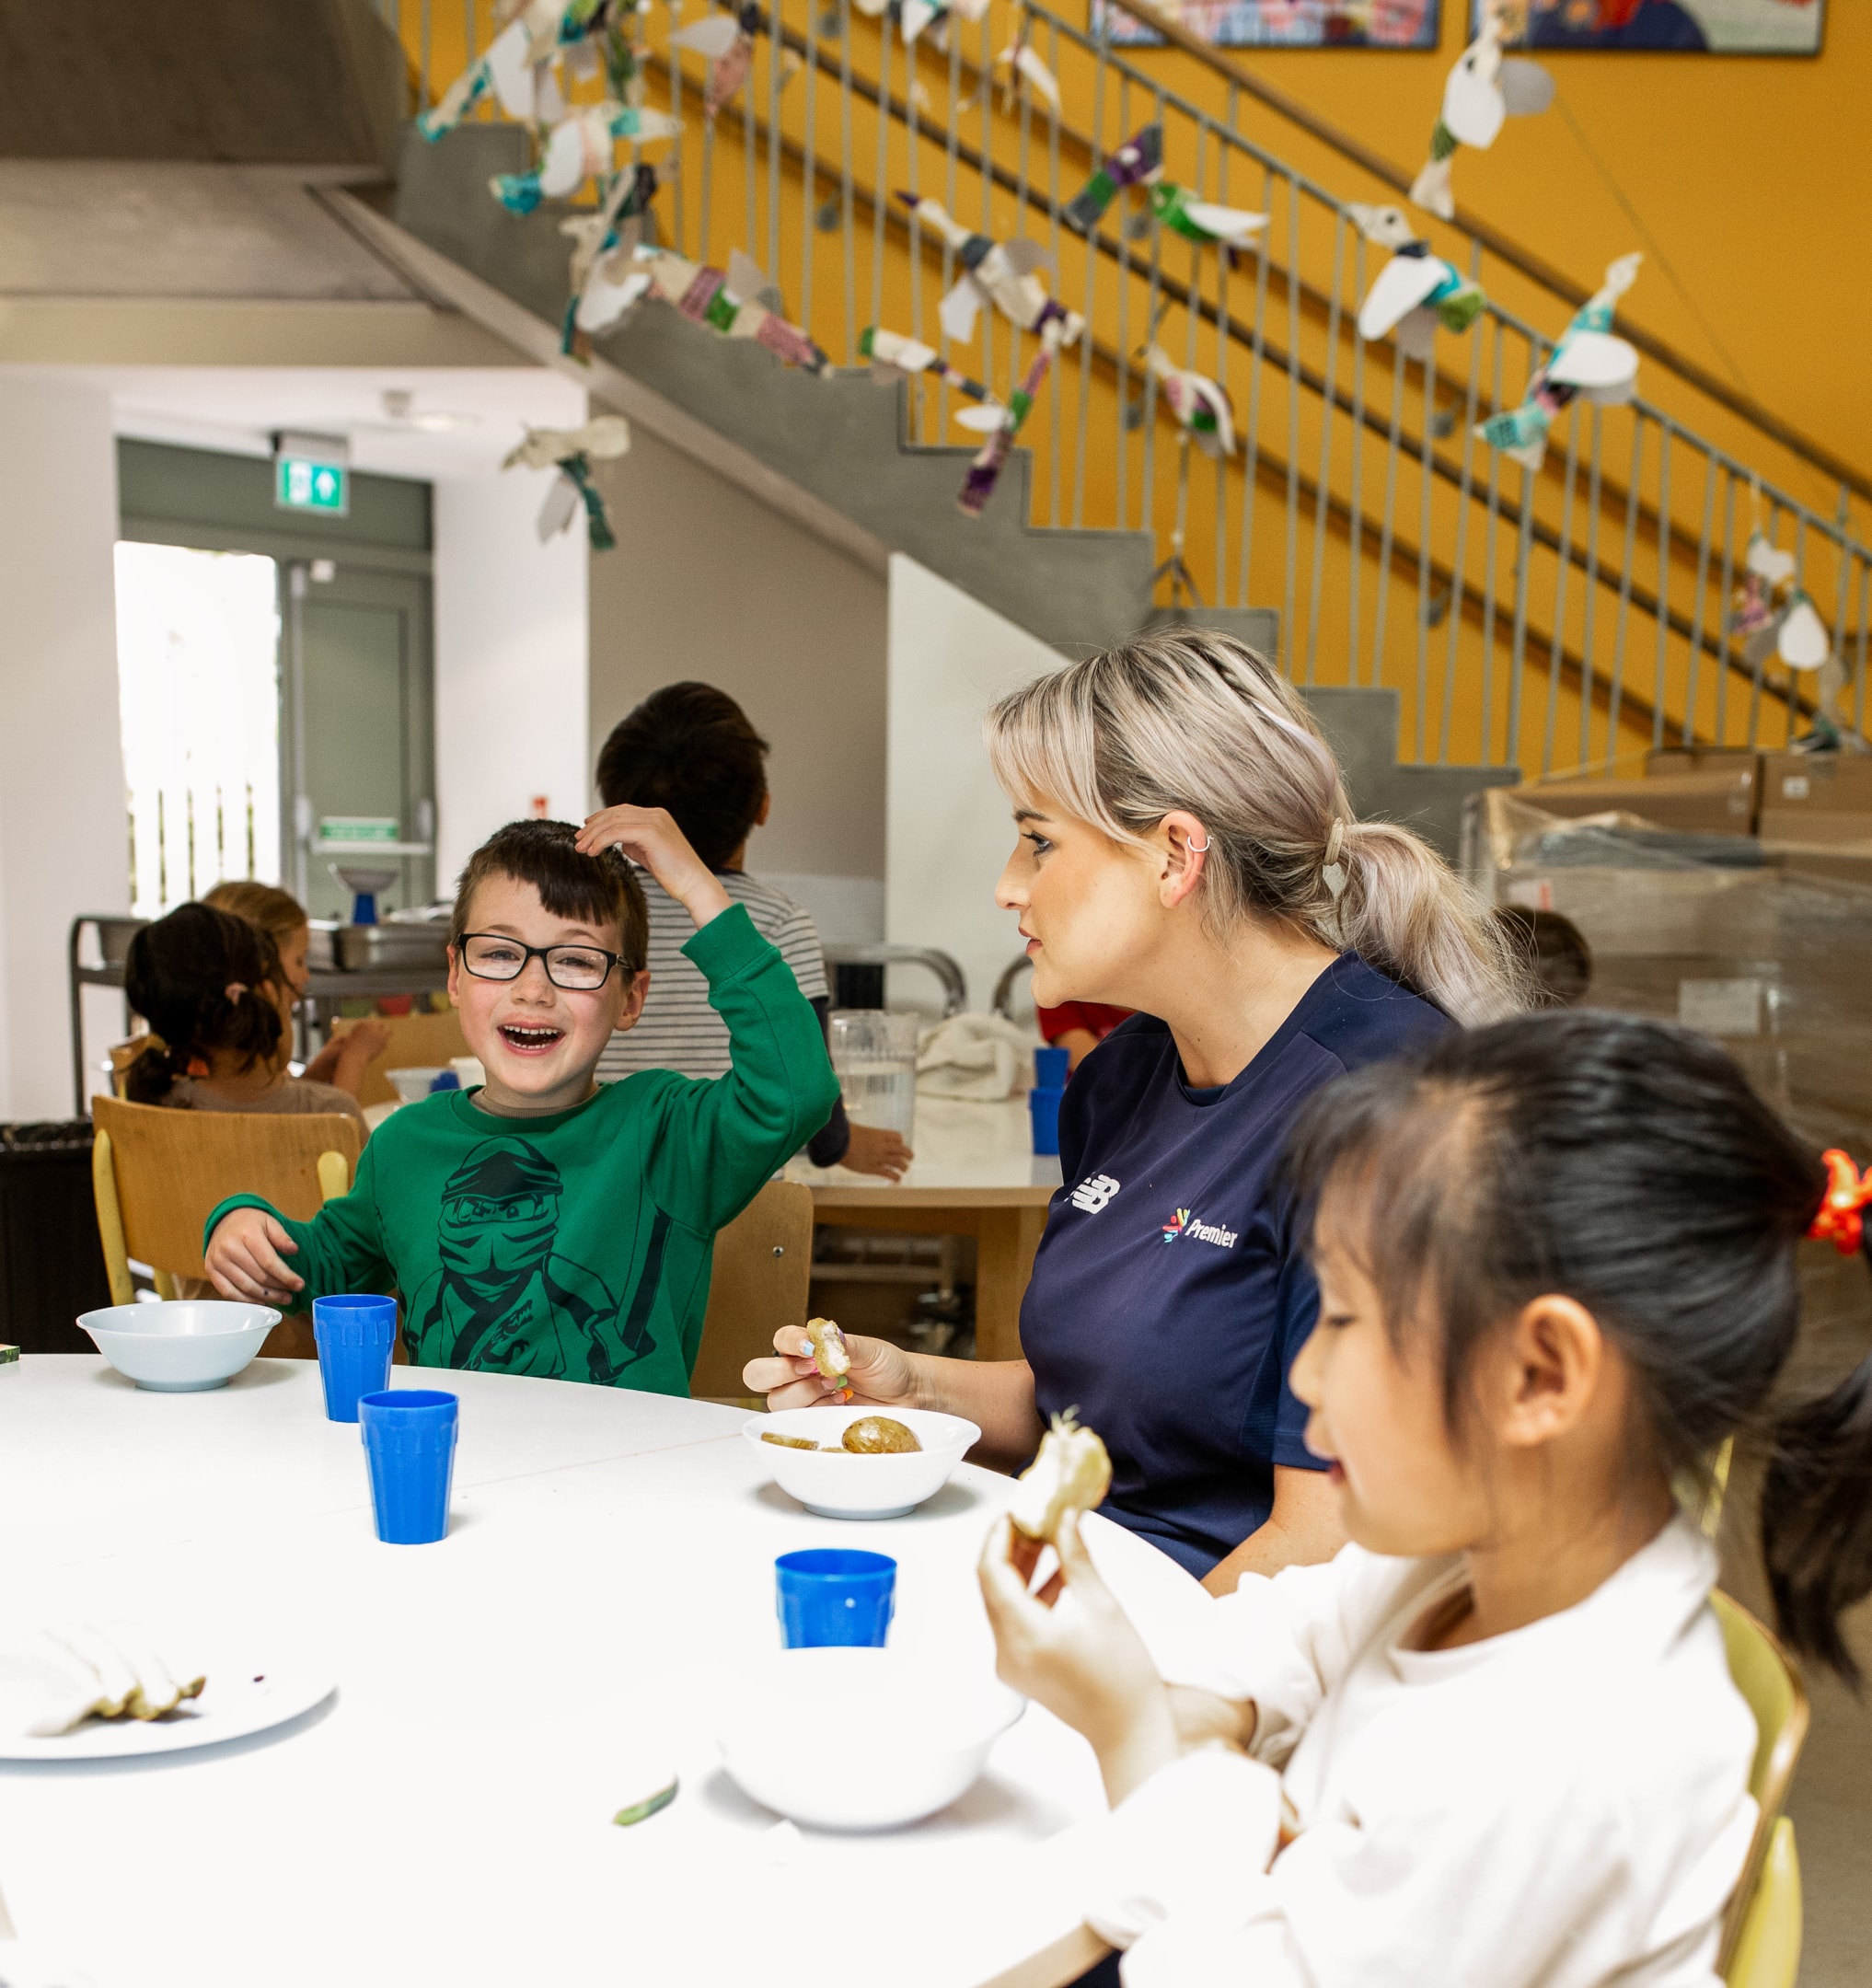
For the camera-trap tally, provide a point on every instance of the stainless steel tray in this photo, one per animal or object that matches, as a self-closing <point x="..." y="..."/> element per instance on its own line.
<point x="371" y="948"/>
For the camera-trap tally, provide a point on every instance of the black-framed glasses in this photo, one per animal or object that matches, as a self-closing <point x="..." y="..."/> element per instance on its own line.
<point x="580" y="969"/>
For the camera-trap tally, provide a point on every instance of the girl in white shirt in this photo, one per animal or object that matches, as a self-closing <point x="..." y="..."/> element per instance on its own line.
<point x="1494" y="1741"/>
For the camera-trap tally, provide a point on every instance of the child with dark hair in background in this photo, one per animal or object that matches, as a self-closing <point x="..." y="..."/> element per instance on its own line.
<point x="207" y="982"/>
<point x="1495" y="1739"/>
<point x="1555" y="950"/>
<point x="282" y="918"/>
<point x="543" y="1223"/>
<point x="689" y="747"/>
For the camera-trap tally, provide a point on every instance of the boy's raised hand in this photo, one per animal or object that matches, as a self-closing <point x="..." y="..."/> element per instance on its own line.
<point x="649" y="836"/>
<point x="243" y="1258"/>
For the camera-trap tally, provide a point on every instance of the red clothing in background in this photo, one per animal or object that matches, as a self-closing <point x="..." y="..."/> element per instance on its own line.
<point x="1092" y="1015"/>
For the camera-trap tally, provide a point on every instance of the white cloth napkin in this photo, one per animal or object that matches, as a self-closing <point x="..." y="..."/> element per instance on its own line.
<point x="981" y="1056"/>
<point x="51" y="1678"/>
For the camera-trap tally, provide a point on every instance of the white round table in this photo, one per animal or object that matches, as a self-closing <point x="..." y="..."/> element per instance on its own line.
<point x="445" y="1817"/>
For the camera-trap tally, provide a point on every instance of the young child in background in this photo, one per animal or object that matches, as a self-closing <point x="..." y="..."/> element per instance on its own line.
<point x="543" y="1223"/>
<point x="282" y="918"/>
<point x="1495" y="1740"/>
<point x="207" y="983"/>
<point x="1078" y="1027"/>
<point x="688" y="748"/>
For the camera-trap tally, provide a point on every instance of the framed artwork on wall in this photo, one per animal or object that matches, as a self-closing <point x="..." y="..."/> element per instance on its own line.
<point x="1367" y="24"/>
<point x="1682" y="27"/>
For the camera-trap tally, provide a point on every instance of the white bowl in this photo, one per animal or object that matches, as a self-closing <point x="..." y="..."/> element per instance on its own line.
<point x="179" y="1348"/>
<point x="411" y="1085"/>
<point x="927" y="1730"/>
<point x="838" y="1484"/>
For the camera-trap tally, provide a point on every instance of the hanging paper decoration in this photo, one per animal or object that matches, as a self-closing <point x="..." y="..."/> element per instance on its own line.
<point x="729" y="301"/>
<point x="571" y="451"/>
<point x="1384" y="227"/>
<point x="1136" y="163"/>
<point x="1202" y="407"/>
<point x="985" y="471"/>
<point x="895" y="357"/>
<point x="579" y="149"/>
<point x="1023" y="64"/>
<point x="520" y="61"/>
<point x="1414" y="294"/>
<point x="1483" y="90"/>
<point x="913" y="17"/>
<point x="1202" y="221"/>
<point x="605" y="279"/>
<point x="1772" y="614"/>
<point x="998" y="273"/>
<point x="727" y="41"/>
<point x="1588" y="360"/>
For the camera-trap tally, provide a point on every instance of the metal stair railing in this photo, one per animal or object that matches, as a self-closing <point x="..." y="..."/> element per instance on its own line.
<point x="1401" y="550"/>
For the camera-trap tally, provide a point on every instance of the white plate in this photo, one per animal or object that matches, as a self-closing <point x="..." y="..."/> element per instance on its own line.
<point x="240" y="1697"/>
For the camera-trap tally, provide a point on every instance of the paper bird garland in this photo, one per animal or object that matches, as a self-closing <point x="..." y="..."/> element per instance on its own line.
<point x="729" y="302"/>
<point x="1588" y="360"/>
<point x="894" y="357"/>
<point x="1415" y="293"/>
<point x="605" y="279"/>
<point x="570" y="451"/>
<point x="1202" y="407"/>
<point x="1202" y="221"/>
<point x="520" y="61"/>
<point x="1138" y="162"/>
<point x="985" y="471"/>
<point x="1483" y="90"/>
<point x="997" y="273"/>
<point x="1772" y="614"/>
<point x="727" y="41"/>
<point x="914" y="18"/>
<point x="1023" y="64"/>
<point x="579" y="149"/>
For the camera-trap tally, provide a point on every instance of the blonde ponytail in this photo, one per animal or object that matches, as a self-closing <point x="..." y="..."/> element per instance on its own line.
<point x="1195" y="720"/>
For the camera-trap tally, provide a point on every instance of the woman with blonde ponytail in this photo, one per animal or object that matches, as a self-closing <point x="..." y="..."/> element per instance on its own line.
<point x="1186" y="849"/>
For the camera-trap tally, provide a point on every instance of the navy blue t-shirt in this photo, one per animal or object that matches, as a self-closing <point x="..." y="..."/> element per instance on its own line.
<point x="1170" y="1294"/>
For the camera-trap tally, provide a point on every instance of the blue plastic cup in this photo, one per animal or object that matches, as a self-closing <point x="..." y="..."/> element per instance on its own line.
<point x="409" y="1439"/>
<point x="355" y="1336"/>
<point x="835" y="1594"/>
<point x="1042" y="1108"/>
<point x="1050" y="1068"/>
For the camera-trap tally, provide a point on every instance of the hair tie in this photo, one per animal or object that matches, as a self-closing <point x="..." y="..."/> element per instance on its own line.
<point x="1332" y="872"/>
<point x="1839" y="1220"/>
<point x="234" y="990"/>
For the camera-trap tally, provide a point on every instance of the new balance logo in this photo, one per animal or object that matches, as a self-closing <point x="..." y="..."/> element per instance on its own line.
<point x="1092" y="1194"/>
<point x="1183" y="1223"/>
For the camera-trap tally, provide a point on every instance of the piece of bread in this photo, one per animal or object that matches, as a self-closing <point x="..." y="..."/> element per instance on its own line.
<point x="830" y="1354"/>
<point x="1071" y="1473"/>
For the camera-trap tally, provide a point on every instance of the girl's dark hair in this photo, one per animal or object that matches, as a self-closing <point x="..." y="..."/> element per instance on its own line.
<point x="689" y="747"/>
<point x="198" y="978"/>
<point x="1625" y="1164"/>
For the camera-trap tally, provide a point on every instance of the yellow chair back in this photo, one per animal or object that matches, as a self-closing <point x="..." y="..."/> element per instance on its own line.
<point x="1760" y="1945"/>
<point x="417" y="1042"/>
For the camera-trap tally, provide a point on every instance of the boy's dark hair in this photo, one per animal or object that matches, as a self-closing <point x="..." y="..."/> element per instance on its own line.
<point x="1625" y="1164"/>
<point x="198" y="977"/>
<point x="599" y="890"/>
<point x="688" y="748"/>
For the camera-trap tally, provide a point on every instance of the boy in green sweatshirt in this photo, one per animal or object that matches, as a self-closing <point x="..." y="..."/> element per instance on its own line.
<point x="543" y="1224"/>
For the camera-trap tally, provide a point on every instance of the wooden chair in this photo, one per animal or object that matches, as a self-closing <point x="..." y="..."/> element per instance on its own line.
<point x="763" y="1266"/>
<point x="1762" y="1928"/>
<point x="417" y="1042"/>
<point x="157" y="1174"/>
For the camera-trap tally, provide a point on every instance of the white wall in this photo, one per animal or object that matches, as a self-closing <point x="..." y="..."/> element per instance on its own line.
<point x="64" y="841"/>
<point x="510" y="657"/>
<point x="949" y="829"/>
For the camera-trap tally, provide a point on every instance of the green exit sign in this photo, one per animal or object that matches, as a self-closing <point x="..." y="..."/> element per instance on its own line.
<point x="301" y="485"/>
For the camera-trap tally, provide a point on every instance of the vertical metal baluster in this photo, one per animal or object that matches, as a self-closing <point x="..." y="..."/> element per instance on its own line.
<point x="1842" y="516"/>
<point x="881" y="184"/>
<point x="987" y="320"/>
<point x="1859" y="667"/>
<point x="1459" y="572"/>
<point x="1755" y="676"/>
<point x="1185" y="465"/>
<point x="1556" y="632"/>
<point x="1381" y="592"/>
<point x="1293" y="440"/>
<point x="467" y="31"/>
<point x="707" y="204"/>
<point x="1154" y="284"/>
<point x="1491" y="558"/>
<point x="951" y="168"/>
<point x="1587" y="672"/>
<point x="1787" y="706"/>
<point x="1518" y="652"/>
<point x="1625" y="566"/>
<point x="918" y="395"/>
<point x="1356" y="499"/>
<point x="1326" y="476"/>
<point x="1023" y="125"/>
<point x="1226" y="148"/>
<point x="750" y="169"/>
<point x="847" y="202"/>
<point x="809" y="223"/>
<point x="1054" y="390"/>
<point x="1695" y="682"/>
<point x="773" y="144"/>
<point x="1102" y="63"/>
<point x="422" y="79"/>
<point x="675" y="173"/>
<point x="1423" y="525"/>
<point x="1254" y="397"/>
<point x="1665" y="429"/>
<point x="1122" y="463"/>
<point x="1723" y="646"/>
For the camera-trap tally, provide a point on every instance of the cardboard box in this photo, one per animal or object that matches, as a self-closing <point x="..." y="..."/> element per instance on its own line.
<point x="1818" y="784"/>
<point x="1681" y="759"/>
<point x="1717" y="802"/>
<point x="1817" y="828"/>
